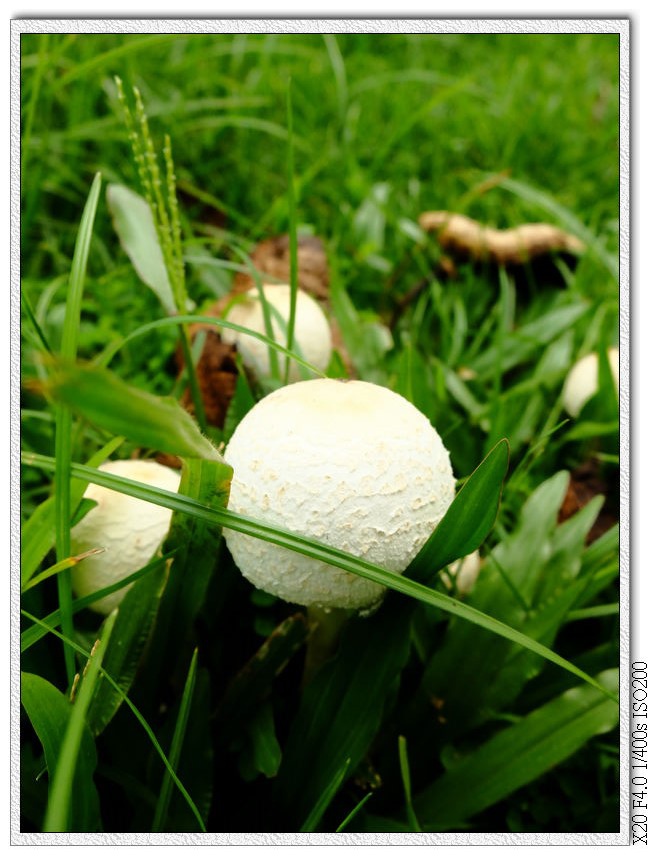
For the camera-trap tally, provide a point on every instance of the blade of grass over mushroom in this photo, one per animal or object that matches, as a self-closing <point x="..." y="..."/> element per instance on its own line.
<point x="517" y="755"/>
<point x="469" y="518"/>
<point x="60" y="792"/>
<point x="63" y="437"/>
<point x="217" y="322"/>
<point x="317" y="550"/>
<point x="105" y="400"/>
<point x="49" y="713"/>
<point x="39" y="533"/>
<point x="136" y="712"/>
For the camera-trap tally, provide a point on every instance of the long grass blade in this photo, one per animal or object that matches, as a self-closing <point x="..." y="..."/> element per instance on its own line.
<point x="317" y="550"/>
<point x="330" y="791"/>
<point x="293" y="232"/>
<point x="62" y="446"/>
<point x="162" y="805"/>
<point x="58" y="805"/>
<point x="217" y="322"/>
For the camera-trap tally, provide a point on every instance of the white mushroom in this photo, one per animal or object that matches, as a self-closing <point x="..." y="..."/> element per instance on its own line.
<point x="582" y="381"/>
<point x="348" y="463"/>
<point x="465" y="573"/>
<point x="312" y="335"/>
<point x="129" y="529"/>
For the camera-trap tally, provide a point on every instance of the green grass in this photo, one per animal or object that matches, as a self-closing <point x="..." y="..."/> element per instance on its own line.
<point x="200" y="717"/>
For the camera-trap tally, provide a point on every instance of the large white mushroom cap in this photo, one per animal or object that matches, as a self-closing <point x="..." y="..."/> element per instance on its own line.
<point x="582" y="381"/>
<point x="347" y="463"/>
<point x="129" y="529"/>
<point x="312" y="335"/>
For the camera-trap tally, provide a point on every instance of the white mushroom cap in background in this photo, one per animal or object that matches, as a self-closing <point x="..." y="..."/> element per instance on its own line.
<point x="582" y="381"/>
<point x="465" y="573"/>
<point x="348" y="463"/>
<point x="129" y="529"/>
<point x="312" y="334"/>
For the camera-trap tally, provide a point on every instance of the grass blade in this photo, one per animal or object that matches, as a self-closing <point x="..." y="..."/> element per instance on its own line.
<point x="316" y="814"/>
<point x="323" y="552"/>
<point x="293" y="232"/>
<point x="32" y="635"/>
<point x="58" y="805"/>
<point x="162" y="805"/>
<point x="62" y="447"/>
<point x="469" y="518"/>
<point x="406" y="781"/>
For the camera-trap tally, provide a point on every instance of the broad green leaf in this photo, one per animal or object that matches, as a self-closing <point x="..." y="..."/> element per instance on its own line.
<point x="135" y="618"/>
<point x="469" y="518"/>
<point x="135" y="227"/>
<point x="314" y="549"/>
<point x="341" y="709"/>
<point x="38" y="533"/>
<point x="106" y="401"/>
<point x="517" y="755"/>
<point x="49" y="713"/>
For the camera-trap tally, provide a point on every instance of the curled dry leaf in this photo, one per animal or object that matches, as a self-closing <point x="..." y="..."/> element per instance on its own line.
<point x="460" y="235"/>
<point x="272" y="257"/>
<point x="586" y="482"/>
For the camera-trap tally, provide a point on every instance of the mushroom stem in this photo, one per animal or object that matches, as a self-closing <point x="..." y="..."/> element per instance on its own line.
<point x="324" y="630"/>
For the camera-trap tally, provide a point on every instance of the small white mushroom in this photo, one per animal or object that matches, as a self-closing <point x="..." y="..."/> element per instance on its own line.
<point x="312" y="335"/>
<point x="129" y="529"/>
<point x="348" y="463"/>
<point x="465" y="573"/>
<point x="582" y="381"/>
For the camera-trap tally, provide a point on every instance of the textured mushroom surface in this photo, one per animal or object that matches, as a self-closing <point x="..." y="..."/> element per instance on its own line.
<point x="348" y="463"/>
<point x="129" y="529"/>
<point x="312" y="336"/>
